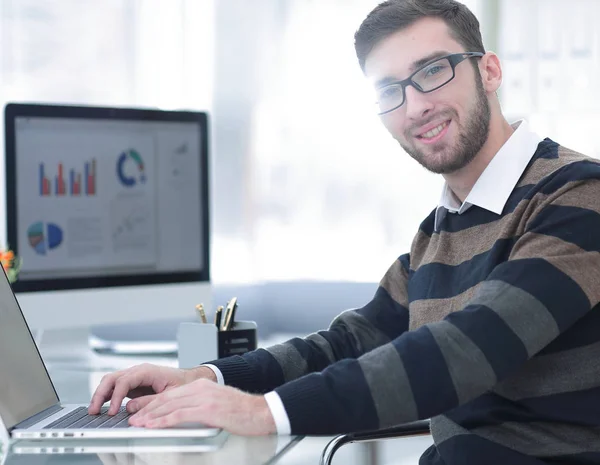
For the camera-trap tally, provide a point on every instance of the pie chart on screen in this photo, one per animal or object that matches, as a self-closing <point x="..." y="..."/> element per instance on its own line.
<point x="44" y="237"/>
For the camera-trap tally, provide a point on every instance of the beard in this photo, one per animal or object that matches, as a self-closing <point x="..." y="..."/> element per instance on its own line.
<point x="470" y="140"/>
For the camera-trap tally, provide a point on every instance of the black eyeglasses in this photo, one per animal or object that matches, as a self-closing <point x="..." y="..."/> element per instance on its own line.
<point x="427" y="78"/>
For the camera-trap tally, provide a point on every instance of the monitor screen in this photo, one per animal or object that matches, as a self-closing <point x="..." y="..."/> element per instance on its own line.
<point x="101" y="197"/>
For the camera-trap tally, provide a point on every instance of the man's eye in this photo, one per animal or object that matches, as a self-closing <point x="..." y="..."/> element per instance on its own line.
<point x="390" y="92"/>
<point x="434" y="70"/>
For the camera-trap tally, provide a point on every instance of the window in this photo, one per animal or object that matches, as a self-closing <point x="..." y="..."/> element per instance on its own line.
<point x="112" y="53"/>
<point x="322" y="191"/>
<point x="551" y="80"/>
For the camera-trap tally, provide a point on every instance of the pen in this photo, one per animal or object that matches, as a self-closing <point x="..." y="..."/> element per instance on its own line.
<point x="200" y="309"/>
<point x="218" y="316"/>
<point x="225" y="317"/>
<point x="229" y="314"/>
<point x="233" y="309"/>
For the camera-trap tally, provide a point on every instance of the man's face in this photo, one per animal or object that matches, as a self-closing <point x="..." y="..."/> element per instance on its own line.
<point x="445" y="129"/>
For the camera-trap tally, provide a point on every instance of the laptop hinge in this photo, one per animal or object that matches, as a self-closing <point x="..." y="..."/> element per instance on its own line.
<point x="38" y="417"/>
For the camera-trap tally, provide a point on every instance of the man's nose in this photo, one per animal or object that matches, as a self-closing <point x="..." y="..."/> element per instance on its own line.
<point x="417" y="103"/>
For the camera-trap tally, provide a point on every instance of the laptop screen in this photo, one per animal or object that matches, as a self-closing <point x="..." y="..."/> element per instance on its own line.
<point x="25" y="387"/>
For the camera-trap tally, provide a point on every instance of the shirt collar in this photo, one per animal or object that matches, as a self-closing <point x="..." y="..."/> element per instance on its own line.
<point x="494" y="186"/>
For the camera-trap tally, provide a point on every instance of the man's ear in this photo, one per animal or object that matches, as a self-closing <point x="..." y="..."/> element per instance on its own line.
<point x="491" y="72"/>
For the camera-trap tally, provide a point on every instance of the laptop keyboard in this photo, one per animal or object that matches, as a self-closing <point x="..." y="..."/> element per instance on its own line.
<point x="80" y="419"/>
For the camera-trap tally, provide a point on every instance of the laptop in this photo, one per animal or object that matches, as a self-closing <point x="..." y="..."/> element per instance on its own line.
<point x="29" y="405"/>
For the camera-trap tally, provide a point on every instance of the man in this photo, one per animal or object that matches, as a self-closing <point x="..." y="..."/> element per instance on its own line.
<point x="486" y="326"/>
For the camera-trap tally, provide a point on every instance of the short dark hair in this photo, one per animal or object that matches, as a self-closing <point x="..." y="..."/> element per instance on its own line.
<point x="393" y="15"/>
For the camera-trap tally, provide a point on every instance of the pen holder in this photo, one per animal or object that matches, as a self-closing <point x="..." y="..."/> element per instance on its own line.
<point x="199" y="343"/>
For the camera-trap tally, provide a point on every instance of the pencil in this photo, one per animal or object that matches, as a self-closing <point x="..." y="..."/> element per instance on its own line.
<point x="200" y="309"/>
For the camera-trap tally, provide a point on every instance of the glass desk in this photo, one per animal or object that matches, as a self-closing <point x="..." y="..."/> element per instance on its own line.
<point x="76" y="371"/>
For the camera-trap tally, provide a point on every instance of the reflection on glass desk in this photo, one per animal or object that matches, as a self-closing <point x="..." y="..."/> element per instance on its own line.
<point x="223" y="449"/>
<point x="120" y="446"/>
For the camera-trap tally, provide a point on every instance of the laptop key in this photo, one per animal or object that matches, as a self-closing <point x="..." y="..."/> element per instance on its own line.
<point x="98" y="422"/>
<point x="72" y="417"/>
<point x="123" y="423"/>
<point x="122" y="416"/>
<point x="101" y="421"/>
<point x="84" y="421"/>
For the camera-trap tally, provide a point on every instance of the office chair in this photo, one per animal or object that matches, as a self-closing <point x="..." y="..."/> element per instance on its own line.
<point x="406" y="429"/>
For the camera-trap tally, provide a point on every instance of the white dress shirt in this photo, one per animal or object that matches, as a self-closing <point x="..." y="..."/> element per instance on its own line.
<point x="491" y="192"/>
<point x="496" y="183"/>
<point x="282" y="422"/>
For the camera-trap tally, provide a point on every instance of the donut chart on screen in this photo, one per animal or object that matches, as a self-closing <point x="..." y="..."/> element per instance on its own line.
<point x="131" y="157"/>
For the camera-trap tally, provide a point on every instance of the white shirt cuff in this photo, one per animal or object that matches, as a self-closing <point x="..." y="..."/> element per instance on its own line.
<point x="282" y="422"/>
<point x="217" y="372"/>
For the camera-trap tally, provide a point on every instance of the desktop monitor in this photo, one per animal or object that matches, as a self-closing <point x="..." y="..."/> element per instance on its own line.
<point x="108" y="209"/>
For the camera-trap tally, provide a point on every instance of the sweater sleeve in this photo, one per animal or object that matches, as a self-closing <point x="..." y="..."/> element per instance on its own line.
<point x="350" y="335"/>
<point x="551" y="279"/>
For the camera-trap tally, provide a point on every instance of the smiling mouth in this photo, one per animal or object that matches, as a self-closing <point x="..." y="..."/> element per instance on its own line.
<point x="433" y="133"/>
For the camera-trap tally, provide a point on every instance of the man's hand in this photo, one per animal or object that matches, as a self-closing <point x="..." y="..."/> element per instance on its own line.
<point x="142" y="383"/>
<point x="206" y="402"/>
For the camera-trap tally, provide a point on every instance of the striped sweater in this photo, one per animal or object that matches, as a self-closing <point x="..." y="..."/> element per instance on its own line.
<point x="485" y="327"/>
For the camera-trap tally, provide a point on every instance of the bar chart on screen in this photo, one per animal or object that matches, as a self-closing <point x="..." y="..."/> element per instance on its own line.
<point x="80" y="183"/>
